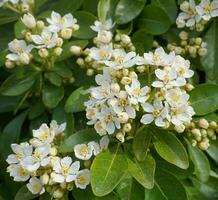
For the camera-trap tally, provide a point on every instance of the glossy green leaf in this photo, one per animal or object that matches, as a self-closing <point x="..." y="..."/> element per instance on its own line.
<point x="201" y="163"/>
<point x="8" y="104"/>
<point x="154" y="20"/>
<point x="170" y="148"/>
<point x="62" y="70"/>
<point x="103" y="9"/>
<point x="210" y="61"/>
<point x="85" y="20"/>
<point x="127" y="10"/>
<point x="144" y="171"/>
<point x="24" y="194"/>
<point x="107" y="170"/>
<point x="18" y="29"/>
<point x="204" y="99"/>
<point x="141" y="143"/>
<point x="52" y="95"/>
<point x="75" y="102"/>
<point x="54" y="78"/>
<point x="80" y="137"/>
<point x="125" y="29"/>
<point x="14" y="85"/>
<point x="213" y="150"/>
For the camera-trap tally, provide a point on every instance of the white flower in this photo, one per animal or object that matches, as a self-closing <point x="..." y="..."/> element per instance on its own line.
<point x="57" y="129"/>
<point x="21" y="151"/>
<point x="95" y="147"/>
<point x="102" y="26"/>
<point x="158" y="58"/>
<point x="58" y="23"/>
<point x="37" y="159"/>
<point x="29" y="21"/>
<point x="35" y="186"/>
<point x="101" y="54"/>
<point x="157" y="112"/>
<point x="43" y="135"/>
<point x="189" y="16"/>
<point x="100" y="128"/>
<point x="168" y="78"/>
<point x="103" y="79"/>
<point x="82" y="179"/>
<point x="121" y="59"/>
<point x="104" y="37"/>
<point x="176" y="97"/>
<point x="137" y="94"/>
<point x="83" y="151"/>
<point x="104" y="142"/>
<point x="207" y="9"/>
<point x="182" y="67"/>
<point x="46" y="39"/>
<point x="121" y="103"/>
<point x="19" y="49"/>
<point x="91" y="114"/>
<point x="65" y="170"/>
<point x="19" y="173"/>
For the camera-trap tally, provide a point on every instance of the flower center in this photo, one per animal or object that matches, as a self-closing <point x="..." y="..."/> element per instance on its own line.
<point x="208" y="9"/>
<point x="137" y="91"/>
<point x="181" y="70"/>
<point x="19" y="156"/>
<point x="156" y="113"/>
<point x="103" y="53"/>
<point x="65" y="170"/>
<point x="84" y="150"/>
<point x="81" y="179"/>
<point x="108" y="118"/>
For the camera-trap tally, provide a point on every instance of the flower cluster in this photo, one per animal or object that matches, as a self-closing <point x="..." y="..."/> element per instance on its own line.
<point x="39" y="38"/>
<point x="94" y="58"/>
<point x="18" y="5"/>
<point x="41" y="164"/>
<point x="114" y="103"/>
<point x="196" y="16"/>
<point x="201" y="132"/>
<point x="192" y="47"/>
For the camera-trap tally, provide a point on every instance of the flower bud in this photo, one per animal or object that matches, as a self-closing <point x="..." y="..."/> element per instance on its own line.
<point x="44" y="179"/>
<point x="189" y="87"/>
<point x="126" y="80"/>
<point x="194" y="143"/>
<point x="210" y="133"/>
<point x="203" y="133"/>
<point x="9" y="64"/>
<point x="66" y="33"/>
<point x="203" y="123"/>
<point x="59" y="42"/>
<point x="25" y="8"/>
<point x="24" y="58"/>
<point x="40" y="24"/>
<point x="117" y="38"/>
<point x="196" y="132"/>
<point x="80" y="62"/>
<point x="125" y="39"/>
<point x="204" y="145"/>
<point x="198" y="41"/>
<point x="202" y="52"/>
<point x="133" y="75"/>
<point x="179" y="129"/>
<point x="75" y="27"/>
<point x="58" y="51"/>
<point x="43" y="53"/>
<point x="28" y="36"/>
<point x="184" y="6"/>
<point x="76" y="50"/>
<point x="115" y="87"/>
<point x="58" y="194"/>
<point x="29" y="21"/>
<point x="141" y="69"/>
<point x="120" y="137"/>
<point x="125" y="72"/>
<point x="70" y="186"/>
<point x="87" y="163"/>
<point x="63" y="185"/>
<point x="123" y="117"/>
<point x="213" y="124"/>
<point x="192" y="50"/>
<point x="53" y="151"/>
<point x="90" y="72"/>
<point x="104" y="37"/>
<point x="127" y="127"/>
<point x="183" y="35"/>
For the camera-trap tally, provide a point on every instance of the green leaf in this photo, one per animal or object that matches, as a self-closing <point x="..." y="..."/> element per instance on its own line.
<point x="213" y="150"/>
<point x="129" y="189"/>
<point x="170" y="148"/>
<point x="66" y="48"/>
<point x="127" y="10"/>
<point x="169" y="7"/>
<point x="75" y="102"/>
<point x="54" y="78"/>
<point x="18" y="29"/>
<point x="7" y="16"/>
<point x="103" y="9"/>
<point x="82" y="136"/>
<point x="154" y="20"/>
<point x="144" y="171"/>
<point x="107" y="170"/>
<point x="24" y="194"/>
<point x="11" y="134"/>
<point x="52" y="95"/>
<point x="8" y="104"/>
<point x="141" y="143"/>
<point x="201" y="163"/>
<point x="204" y="99"/>
<point x="167" y="187"/>
<point x="85" y="20"/>
<point x="14" y="85"/>
<point x="62" y="70"/>
<point x="142" y="41"/>
<point x="36" y="110"/>
<point x="210" y="61"/>
<point x="125" y="29"/>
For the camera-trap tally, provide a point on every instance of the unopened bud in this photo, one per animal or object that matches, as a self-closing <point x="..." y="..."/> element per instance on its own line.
<point x="210" y="133"/>
<point x="189" y="87"/>
<point x="53" y="151"/>
<point x="40" y="24"/>
<point x="120" y="137"/>
<point x="123" y="117"/>
<point x="196" y="132"/>
<point x="179" y="129"/>
<point x="184" y="6"/>
<point x="24" y="58"/>
<point x="192" y="50"/>
<point x="66" y="33"/>
<point x="25" y="7"/>
<point x="76" y="50"/>
<point x="29" y="21"/>
<point x="202" y="52"/>
<point x="203" y="123"/>
<point x="213" y="124"/>
<point x="126" y="80"/>
<point x="198" y="41"/>
<point x="58" y="51"/>
<point x="59" y="42"/>
<point x="127" y="127"/>
<point x="75" y="27"/>
<point x="204" y="145"/>
<point x="90" y="72"/>
<point x="70" y="186"/>
<point x="183" y="35"/>
<point x="125" y="39"/>
<point x="28" y="36"/>
<point x="9" y="64"/>
<point x="58" y="194"/>
<point x="44" y="179"/>
<point x="133" y="75"/>
<point x="80" y="62"/>
<point x="117" y="38"/>
<point x="43" y="53"/>
<point x="115" y="87"/>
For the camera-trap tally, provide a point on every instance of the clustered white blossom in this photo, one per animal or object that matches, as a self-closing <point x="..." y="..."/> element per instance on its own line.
<point x="119" y="96"/>
<point x="39" y="162"/>
<point x="47" y="40"/>
<point x="196" y="15"/>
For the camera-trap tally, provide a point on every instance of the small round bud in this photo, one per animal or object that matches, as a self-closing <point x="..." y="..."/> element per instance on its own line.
<point x="63" y="185"/>
<point x="88" y="59"/>
<point x="192" y="50"/>
<point x="183" y="43"/>
<point x="179" y="129"/>
<point x="189" y="87"/>
<point x="204" y="145"/>
<point x="194" y="143"/>
<point x="58" y="194"/>
<point x="58" y="51"/>
<point x="203" y="123"/>
<point x="126" y="80"/>
<point x="72" y="80"/>
<point x="104" y="37"/>
<point x="53" y="151"/>
<point x="123" y="117"/>
<point x="25" y="58"/>
<point x="125" y="39"/>
<point x="210" y="133"/>
<point x="28" y="36"/>
<point x="213" y="124"/>
<point x="25" y="8"/>
<point x="178" y="50"/>
<point x="203" y="133"/>
<point x="196" y="132"/>
<point x="90" y="72"/>
<point x="199" y="27"/>
<point x="66" y="33"/>
<point x="75" y="27"/>
<point x="80" y="62"/>
<point x="120" y="137"/>
<point x="115" y="87"/>
<point x="183" y="35"/>
<point x="155" y="43"/>
<point x="127" y="127"/>
<point x="76" y="50"/>
<point x="125" y="72"/>
<point x="117" y="38"/>
<point x="185" y="5"/>
<point x="43" y="53"/>
<point x="44" y="179"/>
<point x="40" y="24"/>
<point x="141" y="69"/>
<point x="198" y="41"/>
<point x="70" y="186"/>
<point x="59" y="42"/>
<point x="202" y="52"/>
<point x="133" y="75"/>
<point x="9" y="64"/>
<point x="29" y="21"/>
